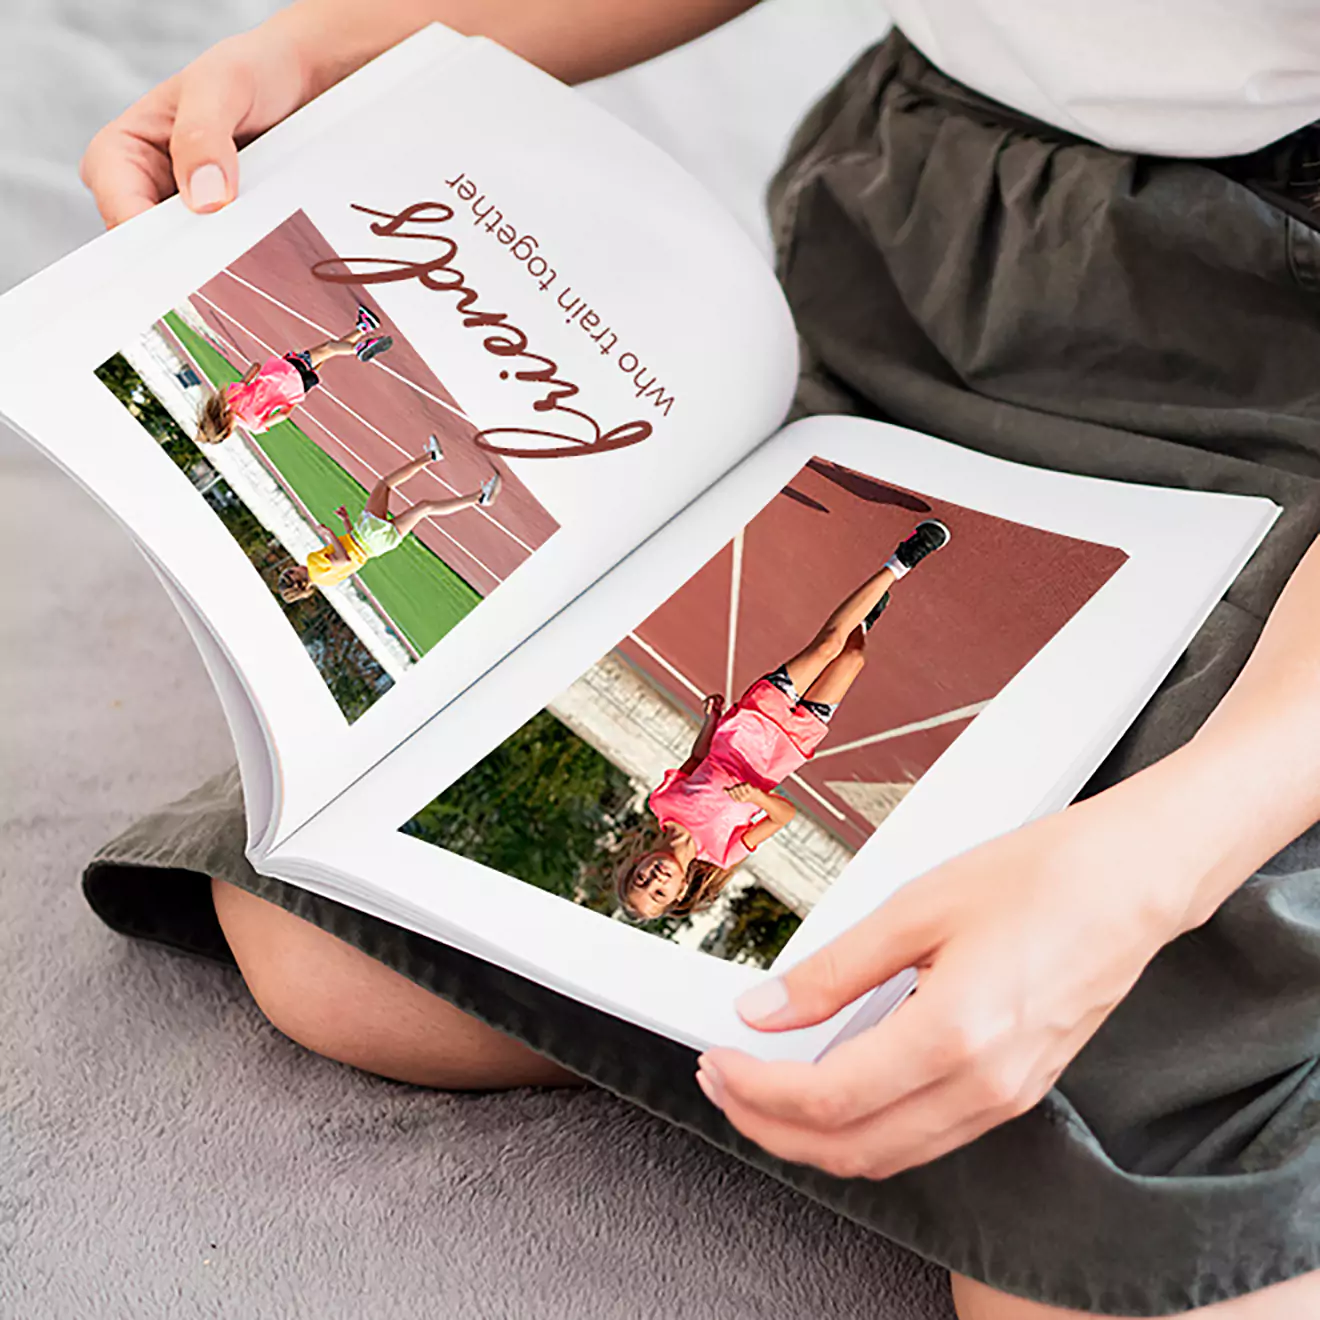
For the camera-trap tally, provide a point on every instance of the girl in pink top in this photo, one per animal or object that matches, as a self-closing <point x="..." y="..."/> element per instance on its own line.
<point x="271" y="390"/>
<point x="721" y="804"/>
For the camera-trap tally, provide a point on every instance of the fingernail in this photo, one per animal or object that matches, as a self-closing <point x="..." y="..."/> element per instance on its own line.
<point x="763" y="1001"/>
<point x="711" y="1083"/>
<point x="207" y="186"/>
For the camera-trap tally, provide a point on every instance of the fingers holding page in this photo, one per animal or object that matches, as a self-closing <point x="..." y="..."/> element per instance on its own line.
<point x="1025" y="944"/>
<point x="126" y="166"/>
<point x="898" y="1057"/>
<point x="929" y="1078"/>
<point x="898" y="935"/>
<point x="932" y="1122"/>
<point x="184" y="134"/>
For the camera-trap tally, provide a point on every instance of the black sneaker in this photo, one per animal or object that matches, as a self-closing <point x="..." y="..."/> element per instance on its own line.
<point x="370" y="348"/>
<point x="928" y="537"/>
<point x="367" y="319"/>
<point x="869" y="622"/>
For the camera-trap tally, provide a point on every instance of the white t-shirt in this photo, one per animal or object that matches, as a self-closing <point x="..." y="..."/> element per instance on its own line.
<point x="1164" y="77"/>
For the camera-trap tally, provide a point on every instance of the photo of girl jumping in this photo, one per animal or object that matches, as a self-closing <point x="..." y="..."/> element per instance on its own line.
<point x="376" y="531"/>
<point x="269" y="391"/>
<point x="721" y="804"/>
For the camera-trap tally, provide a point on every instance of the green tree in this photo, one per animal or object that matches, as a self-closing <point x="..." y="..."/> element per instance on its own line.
<point x="755" y="929"/>
<point x="541" y="807"/>
<point x="128" y="387"/>
<point x="353" y="675"/>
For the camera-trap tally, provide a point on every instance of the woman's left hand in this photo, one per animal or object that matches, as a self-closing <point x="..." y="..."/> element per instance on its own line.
<point x="1024" y="945"/>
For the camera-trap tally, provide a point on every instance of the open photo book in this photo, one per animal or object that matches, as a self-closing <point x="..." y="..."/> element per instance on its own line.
<point x="457" y="441"/>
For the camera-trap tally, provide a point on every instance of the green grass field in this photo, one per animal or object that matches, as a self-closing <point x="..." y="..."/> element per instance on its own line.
<point x="423" y="596"/>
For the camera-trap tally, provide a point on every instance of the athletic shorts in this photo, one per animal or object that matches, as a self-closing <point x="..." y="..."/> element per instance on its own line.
<point x="377" y="536"/>
<point x="303" y="362"/>
<point x="822" y="710"/>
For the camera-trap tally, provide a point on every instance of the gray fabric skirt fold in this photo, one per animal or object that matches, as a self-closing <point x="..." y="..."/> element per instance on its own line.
<point x="958" y="268"/>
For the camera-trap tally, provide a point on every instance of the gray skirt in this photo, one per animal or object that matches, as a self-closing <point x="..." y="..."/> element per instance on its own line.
<point x="960" y="269"/>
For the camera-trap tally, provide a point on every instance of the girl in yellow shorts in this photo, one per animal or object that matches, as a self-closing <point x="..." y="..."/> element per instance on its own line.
<point x="375" y="532"/>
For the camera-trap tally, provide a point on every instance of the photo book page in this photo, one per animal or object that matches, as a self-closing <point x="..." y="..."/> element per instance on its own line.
<point x="863" y="652"/>
<point x="441" y="365"/>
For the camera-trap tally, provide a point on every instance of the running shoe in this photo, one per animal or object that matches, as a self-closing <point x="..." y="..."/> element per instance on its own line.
<point x="370" y="348"/>
<point x="433" y="448"/>
<point x="367" y="319"/>
<point x="928" y="537"/>
<point x="870" y="621"/>
<point x="490" y="488"/>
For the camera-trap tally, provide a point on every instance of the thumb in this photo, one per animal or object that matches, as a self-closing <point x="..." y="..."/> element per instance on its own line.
<point x="215" y="96"/>
<point x="880" y="946"/>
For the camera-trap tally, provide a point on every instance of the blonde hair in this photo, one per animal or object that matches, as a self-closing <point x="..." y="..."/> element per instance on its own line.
<point x="215" y="419"/>
<point x="703" y="881"/>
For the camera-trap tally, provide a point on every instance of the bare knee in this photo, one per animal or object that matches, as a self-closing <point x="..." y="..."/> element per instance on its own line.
<point x="333" y="999"/>
<point x="853" y="657"/>
<point x="830" y="642"/>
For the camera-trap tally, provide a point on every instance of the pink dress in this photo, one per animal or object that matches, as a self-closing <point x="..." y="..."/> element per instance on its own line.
<point x="277" y="385"/>
<point x="761" y="741"/>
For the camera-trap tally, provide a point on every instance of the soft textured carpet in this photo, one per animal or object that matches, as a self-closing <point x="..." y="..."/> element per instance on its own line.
<point x="163" y="1151"/>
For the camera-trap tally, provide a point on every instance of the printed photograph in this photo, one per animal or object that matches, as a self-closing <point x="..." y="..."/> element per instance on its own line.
<point x="712" y="776"/>
<point x="342" y="466"/>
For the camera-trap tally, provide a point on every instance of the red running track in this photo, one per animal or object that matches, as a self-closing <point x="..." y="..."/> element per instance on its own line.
<point x="269" y="302"/>
<point x="957" y="629"/>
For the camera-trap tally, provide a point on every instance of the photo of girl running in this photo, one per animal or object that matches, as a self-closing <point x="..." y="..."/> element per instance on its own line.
<point x="271" y="390"/>
<point x="717" y="808"/>
<point x="376" y="531"/>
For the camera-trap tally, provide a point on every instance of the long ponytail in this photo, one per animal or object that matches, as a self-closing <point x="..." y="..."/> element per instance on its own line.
<point x="215" y="419"/>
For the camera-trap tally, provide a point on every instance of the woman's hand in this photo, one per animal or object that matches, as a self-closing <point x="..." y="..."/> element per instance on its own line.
<point x="1026" y="943"/>
<point x="1024" y="946"/>
<point x="342" y="511"/>
<point x="713" y="707"/>
<point x="185" y="133"/>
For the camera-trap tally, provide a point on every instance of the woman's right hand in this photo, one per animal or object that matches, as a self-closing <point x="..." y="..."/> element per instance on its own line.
<point x="713" y="706"/>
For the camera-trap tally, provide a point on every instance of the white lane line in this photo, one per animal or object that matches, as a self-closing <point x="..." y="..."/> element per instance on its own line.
<point x="735" y="592"/>
<point x="229" y="343"/>
<point x="949" y="717"/>
<point x="660" y="660"/>
<point x="829" y="806"/>
<point x="434" y="522"/>
<point x="430" y="472"/>
<point x="330" y="334"/>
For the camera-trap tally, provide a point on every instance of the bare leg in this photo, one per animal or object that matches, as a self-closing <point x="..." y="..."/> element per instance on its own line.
<point x="1285" y="1301"/>
<point x="333" y="348"/>
<point x="335" y="1000"/>
<point x="378" y="502"/>
<point x="409" y="518"/>
<point x="806" y="667"/>
<point x="841" y="672"/>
